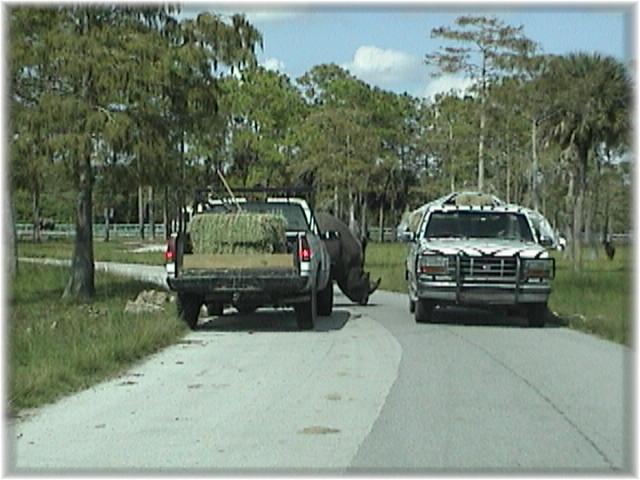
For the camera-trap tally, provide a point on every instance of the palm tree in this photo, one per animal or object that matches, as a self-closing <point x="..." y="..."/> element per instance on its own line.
<point x="593" y="104"/>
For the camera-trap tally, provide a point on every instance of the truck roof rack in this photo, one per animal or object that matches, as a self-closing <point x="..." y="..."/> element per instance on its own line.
<point x="202" y="194"/>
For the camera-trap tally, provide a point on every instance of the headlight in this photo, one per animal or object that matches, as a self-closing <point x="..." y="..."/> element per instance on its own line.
<point x="542" y="268"/>
<point x="433" y="265"/>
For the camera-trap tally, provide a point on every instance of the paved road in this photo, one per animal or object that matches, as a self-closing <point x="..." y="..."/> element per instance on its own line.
<point x="368" y="391"/>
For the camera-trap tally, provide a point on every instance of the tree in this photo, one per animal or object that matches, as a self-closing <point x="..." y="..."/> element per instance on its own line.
<point x="490" y="49"/>
<point x="594" y="106"/>
<point x="107" y="66"/>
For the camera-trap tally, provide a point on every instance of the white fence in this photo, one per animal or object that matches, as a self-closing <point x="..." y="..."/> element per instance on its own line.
<point x="115" y="230"/>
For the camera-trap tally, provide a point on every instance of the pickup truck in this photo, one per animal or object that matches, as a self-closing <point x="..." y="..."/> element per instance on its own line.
<point x="299" y="278"/>
<point x="479" y="254"/>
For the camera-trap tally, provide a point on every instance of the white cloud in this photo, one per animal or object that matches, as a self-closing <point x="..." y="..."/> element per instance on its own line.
<point x="273" y="64"/>
<point x="270" y="16"/>
<point x="384" y="66"/>
<point x="446" y="84"/>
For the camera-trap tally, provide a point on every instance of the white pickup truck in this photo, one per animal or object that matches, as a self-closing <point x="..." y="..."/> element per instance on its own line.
<point x="481" y="253"/>
<point x="299" y="278"/>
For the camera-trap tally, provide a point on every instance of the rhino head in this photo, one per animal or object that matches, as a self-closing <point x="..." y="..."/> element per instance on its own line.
<point x="360" y="289"/>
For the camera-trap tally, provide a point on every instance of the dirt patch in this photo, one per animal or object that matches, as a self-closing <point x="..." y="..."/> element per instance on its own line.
<point x="334" y="397"/>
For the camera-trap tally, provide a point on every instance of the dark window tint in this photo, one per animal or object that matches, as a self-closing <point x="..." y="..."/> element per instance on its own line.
<point x="508" y="226"/>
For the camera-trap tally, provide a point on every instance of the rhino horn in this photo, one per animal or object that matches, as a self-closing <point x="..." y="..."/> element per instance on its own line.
<point x="373" y="286"/>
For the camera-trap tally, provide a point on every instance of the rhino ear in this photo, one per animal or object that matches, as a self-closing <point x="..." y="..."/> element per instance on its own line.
<point x="374" y="286"/>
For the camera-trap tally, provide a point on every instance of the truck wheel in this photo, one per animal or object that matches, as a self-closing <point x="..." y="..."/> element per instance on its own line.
<point x="537" y="314"/>
<point x="423" y="311"/>
<point x="325" y="300"/>
<point x="412" y="306"/>
<point x="189" y="308"/>
<point x="215" y="308"/>
<point x="306" y="313"/>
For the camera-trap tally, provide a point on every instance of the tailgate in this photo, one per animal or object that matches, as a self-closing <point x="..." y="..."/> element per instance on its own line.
<point x="199" y="263"/>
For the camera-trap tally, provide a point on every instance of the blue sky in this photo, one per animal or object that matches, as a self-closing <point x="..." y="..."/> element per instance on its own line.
<point x="385" y="45"/>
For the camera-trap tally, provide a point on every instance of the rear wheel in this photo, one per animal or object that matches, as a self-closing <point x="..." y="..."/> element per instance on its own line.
<point x="307" y="312"/>
<point x="215" y="308"/>
<point x="325" y="300"/>
<point x="423" y="311"/>
<point x="188" y="306"/>
<point x="537" y="314"/>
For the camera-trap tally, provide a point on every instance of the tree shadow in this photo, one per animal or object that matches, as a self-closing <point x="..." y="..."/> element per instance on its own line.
<point x="270" y="320"/>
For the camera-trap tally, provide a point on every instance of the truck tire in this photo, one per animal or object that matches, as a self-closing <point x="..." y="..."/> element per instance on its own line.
<point x="188" y="306"/>
<point x="537" y="314"/>
<point x="423" y="311"/>
<point x="307" y="312"/>
<point x="412" y="306"/>
<point x="325" y="300"/>
<point x="215" y="308"/>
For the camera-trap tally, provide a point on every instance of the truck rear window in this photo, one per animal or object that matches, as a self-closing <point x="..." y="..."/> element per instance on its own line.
<point x="498" y="225"/>
<point x="292" y="213"/>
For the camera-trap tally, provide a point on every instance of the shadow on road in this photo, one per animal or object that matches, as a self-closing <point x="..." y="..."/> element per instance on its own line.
<point x="270" y="320"/>
<point x="488" y="318"/>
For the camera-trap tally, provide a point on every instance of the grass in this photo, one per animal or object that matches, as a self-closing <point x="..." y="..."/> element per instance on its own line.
<point x="115" y="250"/>
<point x="58" y="347"/>
<point x="596" y="300"/>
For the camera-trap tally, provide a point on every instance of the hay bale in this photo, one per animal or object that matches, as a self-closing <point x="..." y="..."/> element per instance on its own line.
<point x="243" y="232"/>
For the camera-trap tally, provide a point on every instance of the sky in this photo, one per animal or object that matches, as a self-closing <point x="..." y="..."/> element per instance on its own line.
<point x="385" y="45"/>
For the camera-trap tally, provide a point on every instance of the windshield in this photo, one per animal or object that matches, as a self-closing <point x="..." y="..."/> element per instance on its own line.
<point x="292" y="213"/>
<point x="498" y="225"/>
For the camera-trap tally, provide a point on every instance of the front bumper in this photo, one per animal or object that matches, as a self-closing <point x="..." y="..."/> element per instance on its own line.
<point x="483" y="293"/>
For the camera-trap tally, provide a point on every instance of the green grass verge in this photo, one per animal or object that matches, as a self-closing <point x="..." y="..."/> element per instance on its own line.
<point x="57" y="347"/>
<point x="596" y="300"/>
<point x="115" y="250"/>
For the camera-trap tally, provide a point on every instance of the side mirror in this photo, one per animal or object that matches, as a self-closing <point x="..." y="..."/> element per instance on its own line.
<point x="330" y="235"/>
<point x="546" y="241"/>
<point x="408" y="236"/>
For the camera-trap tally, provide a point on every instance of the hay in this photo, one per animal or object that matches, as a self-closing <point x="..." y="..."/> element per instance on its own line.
<point x="244" y="232"/>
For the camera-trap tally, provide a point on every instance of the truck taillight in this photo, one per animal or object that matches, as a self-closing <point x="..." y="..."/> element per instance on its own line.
<point x="170" y="253"/>
<point x="304" y="252"/>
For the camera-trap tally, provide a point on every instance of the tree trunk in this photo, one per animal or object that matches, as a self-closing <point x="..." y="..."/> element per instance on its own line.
<point x="152" y="221"/>
<point x="11" y="254"/>
<point x="363" y="209"/>
<point x="381" y="222"/>
<point x="336" y="204"/>
<point x="106" y="224"/>
<point x="483" y="120"/>
<point x="535" y="200"/>
<point x="36" y="234"/>
<point x="508" y="178"/>
<point x="141" y="211"/>
<point x="81" y="282"/>
<point x="165" y="213"/>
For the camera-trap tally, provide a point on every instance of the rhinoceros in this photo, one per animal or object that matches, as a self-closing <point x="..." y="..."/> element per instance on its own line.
<point x="347" y="260"/>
